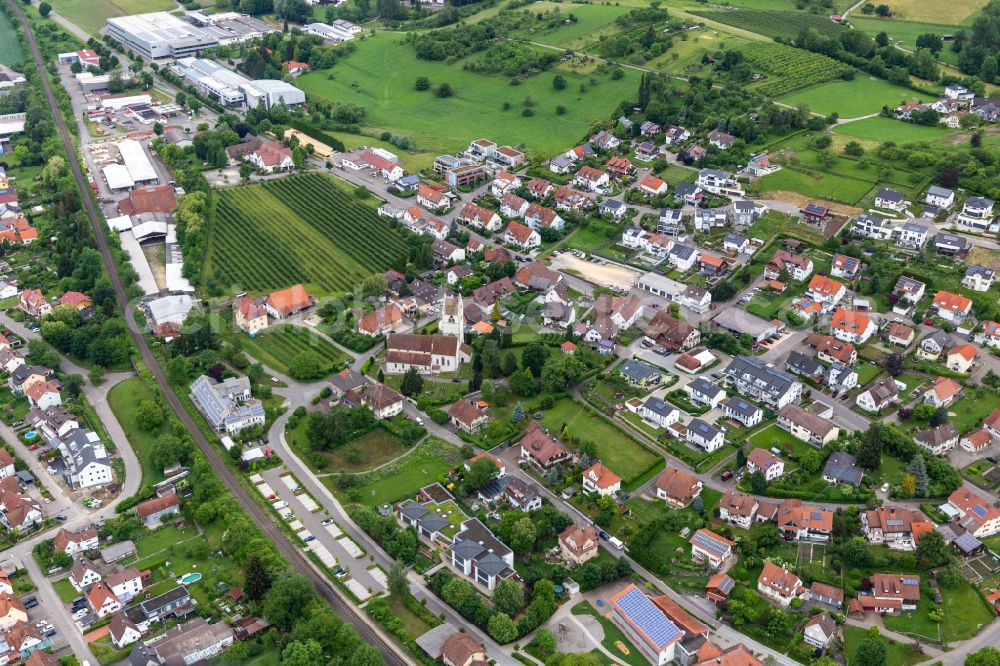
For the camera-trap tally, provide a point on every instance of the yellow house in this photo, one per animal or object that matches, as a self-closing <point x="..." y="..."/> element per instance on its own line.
<point x="961" y="358"/>
<point x="249" y="316"/>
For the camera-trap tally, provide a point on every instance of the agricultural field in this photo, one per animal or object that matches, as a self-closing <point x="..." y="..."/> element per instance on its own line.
<point x="788" y="68"/>
<point x="308" y="228"/>
<point x="774" y="23"/>
<point x="10" y="47"/>
<point x="92" y="15"/>
<point x="905" y="33"/>
<point x="850" y="99"/>
<point x="816" y="185"/>
<point x="277" y="346"/>
<point x="380" y="75"/>
<point x="959" y="12"/>
<point x="886" y="129"/>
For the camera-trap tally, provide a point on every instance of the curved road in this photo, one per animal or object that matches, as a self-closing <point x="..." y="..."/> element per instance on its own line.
<point x="344" y="608"/>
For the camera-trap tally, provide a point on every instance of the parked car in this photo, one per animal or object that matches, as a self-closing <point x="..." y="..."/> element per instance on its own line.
<point x="728" y="474"/>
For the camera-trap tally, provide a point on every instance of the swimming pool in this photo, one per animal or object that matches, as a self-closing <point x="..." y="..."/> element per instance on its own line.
<point x="31" y="434"/>
<point x="189" y="578"/>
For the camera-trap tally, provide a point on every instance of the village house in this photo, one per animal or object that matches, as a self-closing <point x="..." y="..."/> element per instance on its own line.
<point x="978" y="278"/>
<point x="872" y="226"/>
<point x="977" y="213"/>
<point x="900" y="335"/>
<point x="852" y="326"/>
<point x="33" y="303"/>
<point x="468" y="416"/>
<point x="677" y="488"/>
<point x="591" y="179"/>
<point x="652" y="186"/>
<point x="645" y="625"/>
<point x="898" y="527"/>
<point x="701" y="391"/>
<point x="765" y="462"/>
<point x="938" y="196"/>
<point x="721" y="140"/>
<point x="479" y="217"/>
<point x="943" y="392"/>
<point x="933" y="345"/>
<point x="826" y="594"/>
<point x="707" y="546"/>
<point x="780" y="585"/>
<point x="975" y="514"/>
<point x="795" y="266"/>
<point x="513" y="206"/>
<point x="675" y="134"/>
<point x="952" y="307"/>
<point x="543" y="450"/>
<point x="249" y="315"/>
<point x="382" y="400"/>
<point x="909" y="290"/>
<point x="890" y="200"/>
<point x="890" y="594"/>
<point x="939" y="440"/>
<point x="72" y="543"/>
<point x="845" y="267"/>
<point x="976" y="440"/>
<point x="286" y="302"/>
<point x="961" y="358"/>
<point x="825" y="291"/>
<point x="989" y="334"/>
<point x="599" y="479"/>
<point x="153" y="512"/>
<point x="820" y="631"/>
<point x="704" y="436"/>
<point x="719" y="182"/>
<point x="806" y="426"/>
<point x="738" y="508"/>
<point x="841" y="467"/>
<point x="504" y="182"/>
<point x="798" y="522"/>
<point x="579" y="544"/>
<point x="742" y="411"/>
<point x="656" y="411"/>
<point x="879" y="395"/>
<point x="912" y="235"/>
<point x="758" y="381"/>
<point x="672" y="333"/>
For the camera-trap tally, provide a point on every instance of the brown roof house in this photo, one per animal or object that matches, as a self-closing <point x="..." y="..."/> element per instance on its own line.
<point x="672" y="333"/>
<point x="384" y="401"/>
<point x="426" y="353"/>
<point x="469" y="416"/>
<point x="152" y="512"/>
<point x="286" y="302"/>
<point x="461" y="650"/>
<point x="677" y="487"/>
<point x="542" y="450"/>
<point x="579" y="543"/>
<point x="72" y="543"/>
<point x="780" y="585"/>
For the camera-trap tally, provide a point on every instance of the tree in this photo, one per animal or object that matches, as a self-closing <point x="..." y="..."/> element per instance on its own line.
<point x="508" y="597"/>
<point x="444" y="90"/>
<point x="894" y="364"/>
<point x="558" y="82"/>
<point x="523" y="383"/>
<point x="412" y="383"/>
<point x="929" y="41"/>
<point x="480" y="473"/>
<point x="923" y="412"/>
<point x="988" y="656"/>
<point x="908" y="485"/>
<point x="398" y="584"/>
<point x="871" y="651"/>
<point x="287" y="600"/>
<point x="246" y="170"/>
<point x="988" y="70"/>
<point x="545" y="642"/>
<point x="811" y="461"/>
<point x="44" y="9"/>
<point x="501" y="628"/>
<point x="561" y="372"/>
<point x="932" y="551"/>
<point x="364" y="654"/>
<point x="303" y="653"/>
<point x="374" y="285"/>
<point x="508" y="364"/>
<point x="939" y="417"/>
<point x="533" y="358"/>
<point x="53" y="170"/>
<point x="423" y="83"/>
<point x="149" y="415"/>
<point x="758" y="483"/>
<point x="306" y="364"/>
<point x="854" y="149"/>
<point x="918" y="470"/>
<point x="870" y="448"/>
<point x="490" y="355"/>
<point x="518" y="414"/>
<point x="257" y="579"/>
<point x="522" y="535"/>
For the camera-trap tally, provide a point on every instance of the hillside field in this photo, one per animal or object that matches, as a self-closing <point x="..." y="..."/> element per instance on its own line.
<point x="380" y="76"/>
<point x="774" y="23"/>
<point x="905" y="33"/>
<point x="308" y="228"/>
<point x="886" y="129"/>
<point x="92" y="15"/>
<point x="955" y="12"/>
<point x="850" y="99"/>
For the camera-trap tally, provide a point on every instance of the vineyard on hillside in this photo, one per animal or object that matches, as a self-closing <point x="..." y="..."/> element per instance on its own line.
<point x="789" y="68"/>
<point x="774" y="23"/>
<point x="306" y="228"/>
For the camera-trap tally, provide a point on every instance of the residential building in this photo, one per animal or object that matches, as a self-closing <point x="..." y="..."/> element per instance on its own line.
<point x="521" y="236"/>
<point x="672" y="333"/>
<point x="976" y="440"/>
<point x="879" y="395"/>
<point x="707" y="546"/>
<point x="937" y="440"/>
<point x="892" y="593"/>
<point x="760" y="382"/>
<point x="742" y="411"/>
<point x="977" y="213"/>
<point x="657" y="412"/>
<point x="872" y="226"/>
<point x="820" y="631"/>
<point x="703" y="392"/>
<point x="383" y="401"/>
<point x="892" y="525"/>
<point x="852" y="326"/>
<point x="780" y="585"/>
<point x="806" y="426"/>
<point x="825" y="291"/>
<point x="961" y="358"/>
<point x="599" y="479"/>
<point x="227" y="405"/>
<point x="718" y="587"/>
<point x="154" y="511"/>
<point x="72" y="543"/>
<point x="913" y="236"/>
<point x="542" y="449"/>
<point x="841" y="467"/>
<point x="908" y="289"/>
<point x="286" y="302"/>
<point x="579" y="543"/>
<point x="941" y="197"/>
<point x="950" y="245"/>
<point x="12" y="612"/>
<point x="934" y="344"/>
<point x="33" y="303"/>
<point x="845" y="267"/>
<point x="719" y="182"/>
<point x="250" y="316"/>
<point x="193" y="642"/>
<point x="382" y="321"/>
<point x="721" y="140"/>
<point x="943" y="392"/>
<point x="460" y="649"/>
<point x="640" y="373"/>
<point x="978" y="278"/>
<point x="900" y="335"/>
<point x="468" y="416"/>
<point x="765" y="462"/>
<point x="704" y="436"/>
<point x="989" y="335"/>
<point x="890" y="200"/>
<point x="831" y="350"/>
<point x="802" y="523"/>
<point x="481" y="556"/>
<point x="677" y="488"/>
<point x="952" y="307"/>
<point x="738" y="508"/>
<point x="85" y="459"/>
<point x="827" y="594"/>
<point x="123" y="631"/>
<point x="975" y="514"/>
<point x="481" y="218"/>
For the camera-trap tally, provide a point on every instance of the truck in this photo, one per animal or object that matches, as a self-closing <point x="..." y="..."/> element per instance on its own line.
<point x="617" y="543"/>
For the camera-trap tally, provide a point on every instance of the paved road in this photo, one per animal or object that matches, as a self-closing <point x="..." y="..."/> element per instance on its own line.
<point x="342" y="606"/>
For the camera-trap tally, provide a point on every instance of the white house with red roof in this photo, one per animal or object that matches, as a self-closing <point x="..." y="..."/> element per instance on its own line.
<point x="975" y="514"/>
<point x="765" y="462"/>
<point x="825" y="291"/>
<point x="707" y="546"/>
<point x="479" y="217"/>
<point x="652" y="186"/>
<point x="944" y="392"/>
<point x="33" y="303"/>
<point x="102" y="600"/>
<point x="601" y="480"/>
<point x="431" y="199"/>
<point x="961" y="358"/>
<point x="504" y="182"/>
<point x="851" y="326"/>
<point x="645" y="624"/>
<point x="780" y="585"/>
<point x="521" y="236"/>
<point x="976" y="440"/>
<point x="951" y="307"/>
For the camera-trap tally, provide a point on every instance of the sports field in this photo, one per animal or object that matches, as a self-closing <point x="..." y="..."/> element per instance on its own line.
<point x="887" y="129"/>
<point x="92" y="15"/>
<point x="10" y="47"/>
<point x="308" y="228"/>
<point x="850" y="99"/>
<point x="380" y="76"/>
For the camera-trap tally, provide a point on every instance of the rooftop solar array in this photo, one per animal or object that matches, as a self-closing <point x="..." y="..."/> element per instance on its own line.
<point x="637" y="607"/>
<point x="911" y="581"/>
<point x="727" y="584"/>
<point x="967" y="543"/>
<point x="979" y="510"/>
<point x="707" y="543"/>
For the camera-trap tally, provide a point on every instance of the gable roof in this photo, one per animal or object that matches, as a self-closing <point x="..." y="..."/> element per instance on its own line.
<point x="292" y="299"/>
<point x="678" y="484"/>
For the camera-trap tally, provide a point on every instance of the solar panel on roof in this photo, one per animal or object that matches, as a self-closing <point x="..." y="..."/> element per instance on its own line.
<point x="637" y="607"/>
<point x="894" y="522"/>
<point x="979" y="510"/>
<point x="706" y="542"/>
<point x="727" y="584"/>
<point x="967" y="543"/>
<point x="911" y="581"/>
<point x="816" y="516"/>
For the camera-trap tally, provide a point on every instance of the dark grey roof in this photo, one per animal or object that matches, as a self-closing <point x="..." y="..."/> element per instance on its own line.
<point x="978" y="269"/>
<point x="491" y="564"/>
<point x="979" y="202"/>
<point x="685" y="189"/>
<point x="937" y="191"/>
<point x="433" y="523"/>
<point x="143" y="655"/>
<point x="741" y="406"/>
<point x="841" y="466"/>
<point x="702" y="429"/>
<point x="702" y="385"/>
<point x="943" y="238"/>
<point x="413" y="510"/>
<point x="658" y="406"/>
<point x="891" y="195"/>
<point x="682" y="251"/>
<point x="672" y="214"/>
<point x="466" y="550"/>
<point x="967" y="543"/>
<point x="936" y="436"/>
<point x="612" y="204"/>
<point x="639" y="370"/>
<point x="494" y="488"/>
<point x="915" y="228"/>
<point x="735" y="239"/>
<point x="765" y="378"/>
<point x="803" y="364"/>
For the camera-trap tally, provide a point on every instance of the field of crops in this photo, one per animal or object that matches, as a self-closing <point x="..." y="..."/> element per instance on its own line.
<point x="789" y="68"/>
<point x="277" y="346"/>
<point x="307" y="228"/>
<point x="774" y="24"/>
<point x="10" y="47"/>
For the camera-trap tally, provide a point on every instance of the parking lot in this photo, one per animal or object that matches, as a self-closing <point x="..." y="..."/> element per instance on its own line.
<point x="320" y="535"/>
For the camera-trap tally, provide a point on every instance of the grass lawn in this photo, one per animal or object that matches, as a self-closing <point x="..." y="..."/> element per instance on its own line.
<point x="92" y="15"/>
<point x="689" y="52"/>
<point x="277" y="346"/>
<point x="970" y="411"/>
<point x="850" y="99"/>
<point x="816" y="185"/>
<point x="905" y="33"/>
<point x="397" y="482"/>
<point x="379" y="75"/>
<point x="912" y="381"/>
<point x="591" y="21"/>
<point x="965" y="612"/>
<point x="613" y="636"/>
<point x="10" y="47"/>
<point x="867" y="372"/>
<point x="372" y="449"/>
<point x="414" y="625"/>
<point x="163" y="538"/>
<point x="626" y="457"/>
<point x="773" y="436"/>
<point x="886" y="129"/>
<point x="951" y="13"/>
<point x="65" y="590"/>
<point x="124" y="399"/>
<point x="899" y="654"/>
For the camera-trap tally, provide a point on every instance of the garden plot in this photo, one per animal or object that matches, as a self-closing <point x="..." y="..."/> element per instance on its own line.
<point x="983" y="567"/>
<point x="352" y="548"/>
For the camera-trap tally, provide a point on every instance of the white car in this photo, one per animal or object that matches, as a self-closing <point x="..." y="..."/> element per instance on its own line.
<point x="280" y="504"/>
<point x="419" y="421"/>
<point x="885" y="487"/>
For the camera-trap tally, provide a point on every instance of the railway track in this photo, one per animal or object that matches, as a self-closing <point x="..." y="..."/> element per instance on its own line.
<point x="289" y="552"/>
